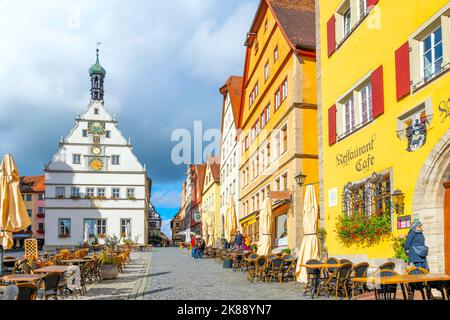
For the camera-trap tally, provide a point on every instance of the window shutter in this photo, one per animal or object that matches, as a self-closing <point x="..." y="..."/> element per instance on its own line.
<point x="402" y="71"/>
<point x="371" y="3"/>
<point x="377" y="92"/>
<point x="331" y="34"/>
<point x="332" y="125"/>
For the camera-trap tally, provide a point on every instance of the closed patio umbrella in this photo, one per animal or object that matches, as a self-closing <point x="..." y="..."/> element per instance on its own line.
<point x="128" y="231"/>
<point x="231" y="223"/>
<point x="13" y="213"/>
<point x="86" y="232"/>
<point x="265" y="229"/>
<point x="210" y="228"/>
<point x="205" y="228"/>
<point x="310" y="247"/>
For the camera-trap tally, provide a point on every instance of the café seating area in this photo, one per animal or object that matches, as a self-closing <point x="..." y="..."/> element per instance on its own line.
<point x="346" y="280"/>
<point x="59" y="275"/>
<point x="273" y="268"/>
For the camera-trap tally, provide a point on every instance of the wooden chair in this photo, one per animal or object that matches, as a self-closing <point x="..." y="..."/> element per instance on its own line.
<point x="331" y="271"/>
<point x="260" y="268"/>
<point x="342" y="279"/>
<point x="51" y="285"/>
<point x="412" y="287"/>
<point x="359" y="271"/>
<point x="312" y="278"/>
<point x="27" y="292"/>
<point x="288" y="269"/>
<point x="387" y="266"/>
<point x="343" y="261"/>
<point x="274" y="270"/>
<point x="389" y="291"/>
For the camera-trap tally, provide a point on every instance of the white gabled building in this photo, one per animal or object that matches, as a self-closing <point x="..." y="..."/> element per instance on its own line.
<point x="230" y="146"/>
<point x="95" y="178"/>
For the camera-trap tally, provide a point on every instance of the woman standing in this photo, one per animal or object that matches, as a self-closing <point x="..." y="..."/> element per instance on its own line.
<point x="415" y="246"/>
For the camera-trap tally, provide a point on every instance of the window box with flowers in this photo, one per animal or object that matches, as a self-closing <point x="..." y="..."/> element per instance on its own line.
<point x="131" y="198"/>
<point x="60" y="196"/>
<point x="75" y="197"/>
<point x="366" y="217"/>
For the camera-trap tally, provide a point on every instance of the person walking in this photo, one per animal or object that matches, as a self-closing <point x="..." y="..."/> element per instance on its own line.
<point x="415" y="246"/>
<point x="239" y="241"/>
<point x="247" y="241"/>
<point x="192" y="246"/>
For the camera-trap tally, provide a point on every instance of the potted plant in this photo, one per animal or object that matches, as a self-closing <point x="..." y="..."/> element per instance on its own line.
<point x="109" y="270"/>
<point x="128" y="243"/>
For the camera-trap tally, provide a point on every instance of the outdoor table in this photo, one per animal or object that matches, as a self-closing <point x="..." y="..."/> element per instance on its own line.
<point x="52" y="269"/>
<point x="403" y="280"/>
<point x="75" y="261"/>
<point x="9" y="260"/>
<point x="17" y="278"/>
<point x="320" y="266"/>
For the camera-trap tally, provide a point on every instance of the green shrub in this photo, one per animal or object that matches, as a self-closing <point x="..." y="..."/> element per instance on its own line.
<point x="399" y="248"/>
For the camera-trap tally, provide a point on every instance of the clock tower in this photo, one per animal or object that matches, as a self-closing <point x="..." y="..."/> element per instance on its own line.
<point x="95" y="179"/>
<point x="98" y="74"/>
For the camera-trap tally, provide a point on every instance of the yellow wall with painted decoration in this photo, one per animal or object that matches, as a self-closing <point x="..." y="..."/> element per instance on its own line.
<point x="371" y="44"/>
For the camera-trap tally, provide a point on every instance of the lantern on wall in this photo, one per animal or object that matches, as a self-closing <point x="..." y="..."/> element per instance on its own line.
<point x="300" y="179"/>
<point x="398" y="198"/>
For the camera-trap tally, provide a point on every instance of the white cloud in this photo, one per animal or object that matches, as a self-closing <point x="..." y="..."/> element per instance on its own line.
<point x="165" y="228"/>
<point x="166" y="199"/>
<point x="148" y="48"/>
<point x="216" y="48"/>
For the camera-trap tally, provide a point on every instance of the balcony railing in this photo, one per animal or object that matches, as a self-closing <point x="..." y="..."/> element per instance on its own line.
<point x="41" y="215"/>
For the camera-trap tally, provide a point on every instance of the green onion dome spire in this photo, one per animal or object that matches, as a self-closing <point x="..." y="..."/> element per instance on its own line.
<point x="97" y="68"/>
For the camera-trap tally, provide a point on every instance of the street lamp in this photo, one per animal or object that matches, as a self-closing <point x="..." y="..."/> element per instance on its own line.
<point x="300" y="179"/>
<point x="398" y="201"/>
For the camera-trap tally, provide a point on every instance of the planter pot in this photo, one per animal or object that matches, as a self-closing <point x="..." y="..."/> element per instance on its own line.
<point x="109" y="272"/>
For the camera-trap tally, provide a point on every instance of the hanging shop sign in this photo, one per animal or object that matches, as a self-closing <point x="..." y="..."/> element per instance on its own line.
<point x="404" y="222"/>
<point x="360" y="157"/>
<point x="444" y="108"/>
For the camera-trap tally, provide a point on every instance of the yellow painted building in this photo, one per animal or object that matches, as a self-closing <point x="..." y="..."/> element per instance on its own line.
<point x="211" y="197"/>
<point x="384" y="107"/>
<point x="278" y="117"/>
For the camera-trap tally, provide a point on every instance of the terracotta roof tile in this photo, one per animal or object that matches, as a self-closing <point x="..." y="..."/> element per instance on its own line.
<point x="297" y="19"/>
<point x="32" y="184"/>
<point x="233" y="86"/>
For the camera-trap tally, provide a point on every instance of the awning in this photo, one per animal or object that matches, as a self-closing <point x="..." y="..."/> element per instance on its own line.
<point x="21" y="236"/>
<point x="250" y="217"/>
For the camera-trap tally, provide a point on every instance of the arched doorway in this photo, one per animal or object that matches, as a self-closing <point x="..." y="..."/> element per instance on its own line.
<point x="428" y="204"/>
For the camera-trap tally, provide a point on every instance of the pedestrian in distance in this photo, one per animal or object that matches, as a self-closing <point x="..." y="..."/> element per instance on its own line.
<point x="192" y="246"/>
<point x="415" y="246"/>
<point x="239" y="241"/>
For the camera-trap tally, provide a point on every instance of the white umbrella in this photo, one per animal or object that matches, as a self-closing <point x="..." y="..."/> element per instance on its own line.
<point x="211" y="232"/>
<point x="310" y="248"/>
<point x="265" y="229"/>
<point x="86" y="232"/>
<point x="128" y="231"/>
<point x="95" y="229"/>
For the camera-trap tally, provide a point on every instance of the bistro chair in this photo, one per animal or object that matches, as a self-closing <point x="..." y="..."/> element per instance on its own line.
<point x="343" y="261"/>
<point x="272" y="256"/>
<point x="275" y="270"/>
<point x="237" y="262"/>
<point x="387" y="266"/>
<point x="330" y="271"/>
<point x="288" y="269"/>
<point x="412" y="287"/>
<point x="27" y="291"/>
<point x="260" y="268"/>
<point x="359" y="271"/>
<point x="51" y="284"/>
<point x="342" y="279"/>
<point x="313" y="278"/>
<point x="389" y="291"/>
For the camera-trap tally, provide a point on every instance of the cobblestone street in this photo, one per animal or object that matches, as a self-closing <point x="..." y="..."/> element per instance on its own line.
<point x="175" y="275"/>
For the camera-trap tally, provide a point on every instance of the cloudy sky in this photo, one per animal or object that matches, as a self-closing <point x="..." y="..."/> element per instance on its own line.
<point x="165" y="61"/>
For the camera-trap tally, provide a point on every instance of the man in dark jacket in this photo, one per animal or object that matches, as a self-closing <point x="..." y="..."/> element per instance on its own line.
<point x="415" y="246"/>
<point x="239" y="241"/>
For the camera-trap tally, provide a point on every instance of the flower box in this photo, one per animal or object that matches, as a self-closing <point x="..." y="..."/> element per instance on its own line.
<point x="75" y="197"/>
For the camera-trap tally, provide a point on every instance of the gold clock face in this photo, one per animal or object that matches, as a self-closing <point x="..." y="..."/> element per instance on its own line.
<point x="96" y="164"/>
<point x="96" y="150"/>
